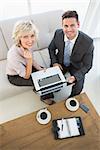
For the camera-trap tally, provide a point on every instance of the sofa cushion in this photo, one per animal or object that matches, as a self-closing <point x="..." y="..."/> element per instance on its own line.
<point x="6" y="89"/>
<point x="46" y="23"/>
<point x="40" y="57"/>
<point x="3" y="47"/>
<point x="45" y="57"/>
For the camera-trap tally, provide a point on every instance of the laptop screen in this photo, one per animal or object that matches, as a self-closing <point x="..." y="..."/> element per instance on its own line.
<point x="49" y="80"/>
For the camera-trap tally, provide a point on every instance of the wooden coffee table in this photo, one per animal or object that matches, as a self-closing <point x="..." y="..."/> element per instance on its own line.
<point x="26" y="133"/>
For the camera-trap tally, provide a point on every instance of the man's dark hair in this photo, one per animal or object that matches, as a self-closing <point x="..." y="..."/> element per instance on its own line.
<point x="70" y="14"/>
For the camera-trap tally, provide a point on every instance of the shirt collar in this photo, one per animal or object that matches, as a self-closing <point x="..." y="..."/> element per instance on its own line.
<point x="73" y="40"/>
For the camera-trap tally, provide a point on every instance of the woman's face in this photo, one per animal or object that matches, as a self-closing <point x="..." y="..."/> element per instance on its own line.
<point x="27" y="40"/>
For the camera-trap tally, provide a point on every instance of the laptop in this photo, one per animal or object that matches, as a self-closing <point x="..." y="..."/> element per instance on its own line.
<point x="48" y="81"/>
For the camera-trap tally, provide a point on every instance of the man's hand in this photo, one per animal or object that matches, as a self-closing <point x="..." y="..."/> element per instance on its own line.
<point x="56" y="64"/>
<point x="71" y="79"/>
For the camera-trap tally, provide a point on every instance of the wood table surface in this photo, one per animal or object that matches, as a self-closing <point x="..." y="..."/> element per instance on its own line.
<point x="25" y="133"/>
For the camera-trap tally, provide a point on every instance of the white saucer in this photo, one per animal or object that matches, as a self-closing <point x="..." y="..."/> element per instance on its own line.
<point x="72" y="107"/>
<point x="45" y="114"/>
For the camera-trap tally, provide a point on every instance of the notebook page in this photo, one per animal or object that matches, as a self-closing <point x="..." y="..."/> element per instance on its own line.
<point x="64" y="130"/>
<point x="72" y="123"/>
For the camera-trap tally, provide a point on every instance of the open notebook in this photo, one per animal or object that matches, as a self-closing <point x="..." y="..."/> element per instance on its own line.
<point x="67" y="127"/>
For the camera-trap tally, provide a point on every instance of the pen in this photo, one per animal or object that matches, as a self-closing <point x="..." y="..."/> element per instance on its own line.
<point x="62" y="124"/>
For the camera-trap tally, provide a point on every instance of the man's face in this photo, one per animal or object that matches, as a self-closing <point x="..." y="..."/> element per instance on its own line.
<point x="70" y="27"/>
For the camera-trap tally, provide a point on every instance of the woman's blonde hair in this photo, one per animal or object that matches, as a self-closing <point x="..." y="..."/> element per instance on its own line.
<point x="22" y="27"/>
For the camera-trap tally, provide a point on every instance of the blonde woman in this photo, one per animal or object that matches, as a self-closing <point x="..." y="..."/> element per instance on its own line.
<point x="20" y="61"/>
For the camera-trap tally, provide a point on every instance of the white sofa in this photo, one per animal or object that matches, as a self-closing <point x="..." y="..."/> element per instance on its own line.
<point x="16" y="101"/>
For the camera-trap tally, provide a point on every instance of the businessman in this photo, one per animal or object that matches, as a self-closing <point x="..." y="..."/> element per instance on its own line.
<point x="72" y="51"/>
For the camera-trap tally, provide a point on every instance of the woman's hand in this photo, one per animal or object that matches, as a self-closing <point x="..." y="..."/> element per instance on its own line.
<point x="56" y="64"/>
<point x="43" y="68"/>
<point x="27" y="54"/>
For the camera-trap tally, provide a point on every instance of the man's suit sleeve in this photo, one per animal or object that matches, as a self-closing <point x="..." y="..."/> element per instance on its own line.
<point x="52" y="50"/>
<point x="87" y="63"/>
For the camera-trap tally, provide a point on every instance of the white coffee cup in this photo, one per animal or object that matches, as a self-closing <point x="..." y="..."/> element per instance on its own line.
<point x="72" y="104"/>
<point x="43" y="116"/>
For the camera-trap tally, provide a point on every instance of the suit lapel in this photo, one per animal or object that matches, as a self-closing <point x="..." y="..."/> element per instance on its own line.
<point x="62" y="42"/>
<point x="77" y="45"/>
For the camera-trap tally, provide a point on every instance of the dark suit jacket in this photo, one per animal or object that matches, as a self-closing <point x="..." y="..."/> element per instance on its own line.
<point x="81" y="57"/>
